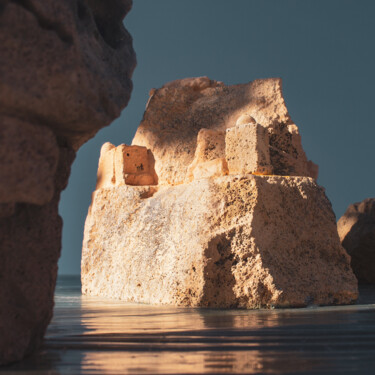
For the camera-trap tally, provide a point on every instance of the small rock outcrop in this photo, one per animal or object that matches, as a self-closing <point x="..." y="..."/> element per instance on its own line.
<point x="233" y="218"/>
<point x="65" y="70"/>
<point x="357" y="234"/>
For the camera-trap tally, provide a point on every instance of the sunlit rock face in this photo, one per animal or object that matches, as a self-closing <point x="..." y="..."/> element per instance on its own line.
<point x="236" y="218"/>
<point x="179" y="110"/>
<point x="65" y="70"/>
<point x="357" y="234"/>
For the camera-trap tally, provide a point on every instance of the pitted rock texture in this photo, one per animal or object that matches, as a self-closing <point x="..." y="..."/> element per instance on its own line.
<point x="247" y="149"/>
<point x="210" y="147"/>
<point x="65" y="64"/>
<point x="357" y="234"/>
<point x="30" y="244"/>
<point x="29" y="155"/>
<point x="176" y="113"/>
<point x="222" y="228"/>
<point x="125" y="165"/>
<point x="234" y="241"/>
<point x="65" y="70"/>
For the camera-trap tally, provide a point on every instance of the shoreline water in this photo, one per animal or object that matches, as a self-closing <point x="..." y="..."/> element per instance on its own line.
<point x="90" y="335"/>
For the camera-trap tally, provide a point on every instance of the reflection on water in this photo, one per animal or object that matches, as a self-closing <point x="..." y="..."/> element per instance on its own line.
<point x="91" y="335"/>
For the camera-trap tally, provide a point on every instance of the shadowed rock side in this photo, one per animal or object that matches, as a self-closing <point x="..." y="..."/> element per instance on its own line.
<point x="219" y="226"/>
<point x="65" y="70"/>
<point x="357" y="234"/>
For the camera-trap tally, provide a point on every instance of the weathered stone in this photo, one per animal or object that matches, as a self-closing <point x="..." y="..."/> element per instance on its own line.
<point x="212" y="234"/>
<point x="7" y="209"/>
<point x="210" y="146"/>
<point x="286" y="153"/>
<point x="125" y="165"/>
<point x="233" y="241"/>
<point x="30" y="243"/>
<point x="29" y="155"/>
<point x="27" y="279"/>
<point x="106" y="176"/>
<point x="247" y="149"/>
<point x="65" y="70"/>
<point x="212" y="168"/>
<point x="79" y="61"/>
<point x="134" y="165"/>
<point x="245" y="119"/>
<point x="357" y="234"/>
<point x="176" y="113"/>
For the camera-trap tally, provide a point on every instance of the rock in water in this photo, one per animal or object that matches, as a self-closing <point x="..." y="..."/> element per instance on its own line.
<point x="357" y="234"/>
<point x="234" y="217"/>
<point x="65" y="70"/>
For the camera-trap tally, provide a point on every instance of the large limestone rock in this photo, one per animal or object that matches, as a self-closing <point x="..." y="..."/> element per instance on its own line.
<point x="226" y="225"/>
<point x="357" y="234"/>
<point x="65" y="70"/>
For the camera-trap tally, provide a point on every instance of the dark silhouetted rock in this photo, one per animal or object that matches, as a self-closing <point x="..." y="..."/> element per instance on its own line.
<point x="65" y="69"/>
<point x="357" y="234"/>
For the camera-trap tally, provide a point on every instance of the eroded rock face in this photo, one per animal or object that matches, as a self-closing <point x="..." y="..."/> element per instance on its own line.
<point x="179" y="110"/>
<point x="247" y="149"/>
<point x="357" y="234"/>
<point x="30" y="240"/>
<point x="65" y="70"/>
<point x="65" y="64"/>
<point x="232" y="241"/>
<point x="29" y="156"/>
<point x="125" y="165"/>
<point x="210" y="147"/>
<point x="224" y="227"/>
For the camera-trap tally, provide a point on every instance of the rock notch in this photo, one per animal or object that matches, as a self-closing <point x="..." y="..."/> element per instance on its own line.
<point x="236" y="218"/>
<point x="357" y="234"/>
<point x="65" y="70"/>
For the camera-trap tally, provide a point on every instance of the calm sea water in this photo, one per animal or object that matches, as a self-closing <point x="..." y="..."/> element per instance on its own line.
<point x="98" y="336"/>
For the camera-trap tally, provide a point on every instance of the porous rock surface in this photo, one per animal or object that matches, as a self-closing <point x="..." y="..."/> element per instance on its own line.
<point x="356" y="229"/>
<point x="231" y="241"/>
<point x="180" y="109"/>
<point x="224" y="226"/>
<point x="65" y="69"/>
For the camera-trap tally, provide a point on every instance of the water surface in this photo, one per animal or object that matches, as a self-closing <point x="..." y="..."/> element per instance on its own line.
<point x="90" y="335"/>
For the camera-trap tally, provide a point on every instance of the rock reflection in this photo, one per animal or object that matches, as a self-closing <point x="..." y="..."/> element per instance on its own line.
<point x="249" y="319"/>
<point x="171" y="363"/>
<point x="89" y="335"/>
<point x="102" y="316"/>
<point x="129" y="338"/>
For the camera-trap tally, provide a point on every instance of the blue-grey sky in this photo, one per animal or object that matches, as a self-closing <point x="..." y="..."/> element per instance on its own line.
<point x="324" y="50"/>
